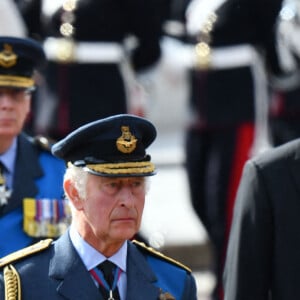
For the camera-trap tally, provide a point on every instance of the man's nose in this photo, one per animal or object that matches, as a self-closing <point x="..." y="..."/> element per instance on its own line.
<point x="126" y="196"/>
<point x="5" y="100"/>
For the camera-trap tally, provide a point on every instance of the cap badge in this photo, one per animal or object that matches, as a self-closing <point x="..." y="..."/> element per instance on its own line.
<point x="126" y="143"/>
<point x="7" y="57"/>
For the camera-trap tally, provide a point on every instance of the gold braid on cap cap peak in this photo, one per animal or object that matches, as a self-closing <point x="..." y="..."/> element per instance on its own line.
<point x="143" y="167"/>
<point x="16" y="81"/>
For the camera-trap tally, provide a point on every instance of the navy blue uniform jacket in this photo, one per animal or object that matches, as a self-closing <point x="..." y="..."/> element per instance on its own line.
<point x="59" y="273"/>
<point x="38" y="174"/>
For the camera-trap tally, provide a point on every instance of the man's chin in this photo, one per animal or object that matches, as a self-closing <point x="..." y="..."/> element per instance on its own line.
<point x="7" y="132"/>
<point x="125" y="234"/>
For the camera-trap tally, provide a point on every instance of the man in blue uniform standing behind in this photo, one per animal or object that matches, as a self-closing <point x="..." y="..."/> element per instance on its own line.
<point x="31" y="177"/>
<point x="106" y="184"/>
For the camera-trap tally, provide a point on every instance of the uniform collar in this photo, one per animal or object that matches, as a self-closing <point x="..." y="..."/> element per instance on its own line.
<point x="91" y="257"/>
<point x="8" y="158"/>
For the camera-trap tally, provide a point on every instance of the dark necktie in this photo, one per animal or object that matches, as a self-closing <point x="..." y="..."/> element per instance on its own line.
<point x="4" y="191"/>
<point x="109" y="270"/>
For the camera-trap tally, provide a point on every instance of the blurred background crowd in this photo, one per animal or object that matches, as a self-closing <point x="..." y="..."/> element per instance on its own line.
<point x="219" y="78"/>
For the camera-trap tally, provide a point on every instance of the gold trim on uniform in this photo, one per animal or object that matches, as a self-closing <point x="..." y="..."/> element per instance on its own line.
<point x="12" y="280"/>
<point x="35" y="248"/>
<point x="66" y="28"/>
<point x="70" y="5"/>
<point x="12" y="283"/>
<point x="16" y="81"/>
<point x="159" y="254"/>
<point x="65" y="50"/>
<point x="143" y="167"/>
<point x="203" y="55"/>
<point x="202" y="49"/>
<point x="7" y="57"/>
<point x="126" y="143"/>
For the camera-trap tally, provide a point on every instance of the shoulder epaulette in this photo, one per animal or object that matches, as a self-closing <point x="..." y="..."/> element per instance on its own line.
<point x="43" y="142"/>
<point x="160" y="255"/>
<point x="38" y="247"/>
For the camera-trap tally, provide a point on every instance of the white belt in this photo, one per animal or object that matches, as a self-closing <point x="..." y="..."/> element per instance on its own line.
<point x="241" y="56"/>
<point x="63" y="50"/>
<point x="184" y="57"/>
<point x="221" y="58"/>
<point x="233" y="56"/>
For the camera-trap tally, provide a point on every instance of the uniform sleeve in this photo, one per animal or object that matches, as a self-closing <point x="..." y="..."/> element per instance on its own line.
<point x="249" y="253"/>
<point x="145" y="23"/>
<point x="190" y="291"/>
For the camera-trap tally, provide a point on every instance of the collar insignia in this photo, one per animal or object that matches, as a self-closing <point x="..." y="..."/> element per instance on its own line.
<point x="165" y="296"/>
<point x="126" y="143"/>
<point x="7" y="57"/>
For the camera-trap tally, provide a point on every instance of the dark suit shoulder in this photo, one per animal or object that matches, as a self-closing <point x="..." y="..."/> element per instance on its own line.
<point x="25" y="252"/>
<point x="155" y="253"/>
<point x="277" y="155"/>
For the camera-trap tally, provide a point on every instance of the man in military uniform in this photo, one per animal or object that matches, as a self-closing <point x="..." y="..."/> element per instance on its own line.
<point x="89" y="54"/>
<point x="234" y="42"/>
<point x="106" y="184"/>
<point x="31" y="204"/>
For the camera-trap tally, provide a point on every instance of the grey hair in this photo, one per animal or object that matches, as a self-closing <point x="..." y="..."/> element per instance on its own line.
<point x="78" y="177"/>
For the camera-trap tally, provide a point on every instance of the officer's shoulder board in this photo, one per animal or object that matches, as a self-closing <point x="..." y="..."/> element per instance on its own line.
<point x="43" y="142"/>
<point x="158" y="254"/>
<point x="35" y="248"/>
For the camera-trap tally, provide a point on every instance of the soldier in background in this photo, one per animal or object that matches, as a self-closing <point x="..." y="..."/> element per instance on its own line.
<point x="262" y="259"/>
<point x="234" y="43"/>
<point x="95" y="48"/>
<point x="106" y="182"/>
<point x="285" y="103"/>
<point x="31" y="205"/>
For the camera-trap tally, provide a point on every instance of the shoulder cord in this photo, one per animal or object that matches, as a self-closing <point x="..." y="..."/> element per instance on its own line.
<point x="12" y="283"/>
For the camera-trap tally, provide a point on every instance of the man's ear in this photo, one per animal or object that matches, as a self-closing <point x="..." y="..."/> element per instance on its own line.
<point x="72" y="194"/>
<point x="29" y="104"/>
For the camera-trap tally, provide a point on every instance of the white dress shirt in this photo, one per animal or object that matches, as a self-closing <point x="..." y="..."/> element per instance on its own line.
<point x="92" y="258"/>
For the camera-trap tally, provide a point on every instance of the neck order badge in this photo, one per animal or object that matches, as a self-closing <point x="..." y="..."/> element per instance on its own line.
<point x="107" y="276"/>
